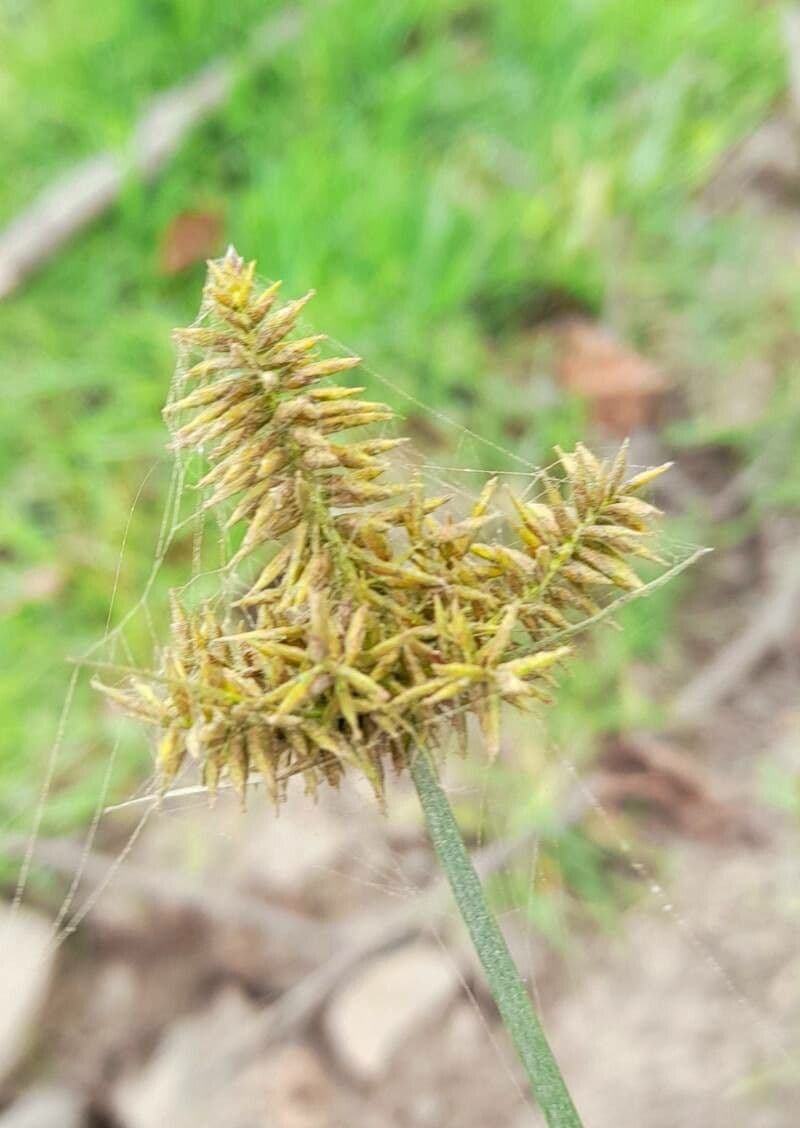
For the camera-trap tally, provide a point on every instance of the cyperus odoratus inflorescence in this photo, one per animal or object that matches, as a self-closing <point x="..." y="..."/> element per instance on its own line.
<point x="373" y="623"/>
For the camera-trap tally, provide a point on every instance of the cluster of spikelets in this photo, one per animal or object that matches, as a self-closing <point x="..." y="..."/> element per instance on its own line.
<point x="376" y="620"/>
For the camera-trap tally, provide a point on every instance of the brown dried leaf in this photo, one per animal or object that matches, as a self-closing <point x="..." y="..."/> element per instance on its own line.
<point x="623" y="388"/>
<point x="191" y="237"/>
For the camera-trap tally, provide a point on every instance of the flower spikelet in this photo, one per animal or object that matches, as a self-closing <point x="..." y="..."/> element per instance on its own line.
<point x="372" y="619"/>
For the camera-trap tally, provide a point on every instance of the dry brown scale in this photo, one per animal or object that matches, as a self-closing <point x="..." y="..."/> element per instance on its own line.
<point x="377" y="621"/>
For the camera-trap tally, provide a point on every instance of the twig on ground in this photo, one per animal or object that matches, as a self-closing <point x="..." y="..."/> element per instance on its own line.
<point x="308" y="996"/>
<point x="774" y="616"/>
<point x="175" y="890"/>
<point x="82" y="195"/>
<point x="301" y="1002"/>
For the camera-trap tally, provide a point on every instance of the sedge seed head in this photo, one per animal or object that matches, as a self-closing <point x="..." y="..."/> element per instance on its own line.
<point x="376" y="619"/>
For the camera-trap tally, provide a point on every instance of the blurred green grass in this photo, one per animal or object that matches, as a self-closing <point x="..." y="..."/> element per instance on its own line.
<point x="437" y="170"/>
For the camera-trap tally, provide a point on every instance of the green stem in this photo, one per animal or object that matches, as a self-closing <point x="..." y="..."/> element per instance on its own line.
<point x="506" y="986"/>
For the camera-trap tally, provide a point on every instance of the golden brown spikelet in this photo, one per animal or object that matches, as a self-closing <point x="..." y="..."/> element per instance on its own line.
<point x="374" y="621"/>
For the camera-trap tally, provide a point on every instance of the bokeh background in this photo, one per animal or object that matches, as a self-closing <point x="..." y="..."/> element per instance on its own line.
<point x="537" y="223"/>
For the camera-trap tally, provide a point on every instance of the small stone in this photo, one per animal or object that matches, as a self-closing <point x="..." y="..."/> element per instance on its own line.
<point x="298" y="1090"/>
<point x="208" y="1072"/>
<point x="48" y="1106"/>
<point x="27" y="959"/>
<point x="383" y="1007"/>
<point x="192" y="1077"/>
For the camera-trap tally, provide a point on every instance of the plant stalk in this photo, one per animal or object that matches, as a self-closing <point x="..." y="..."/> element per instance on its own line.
<point x="508" y="991"/>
